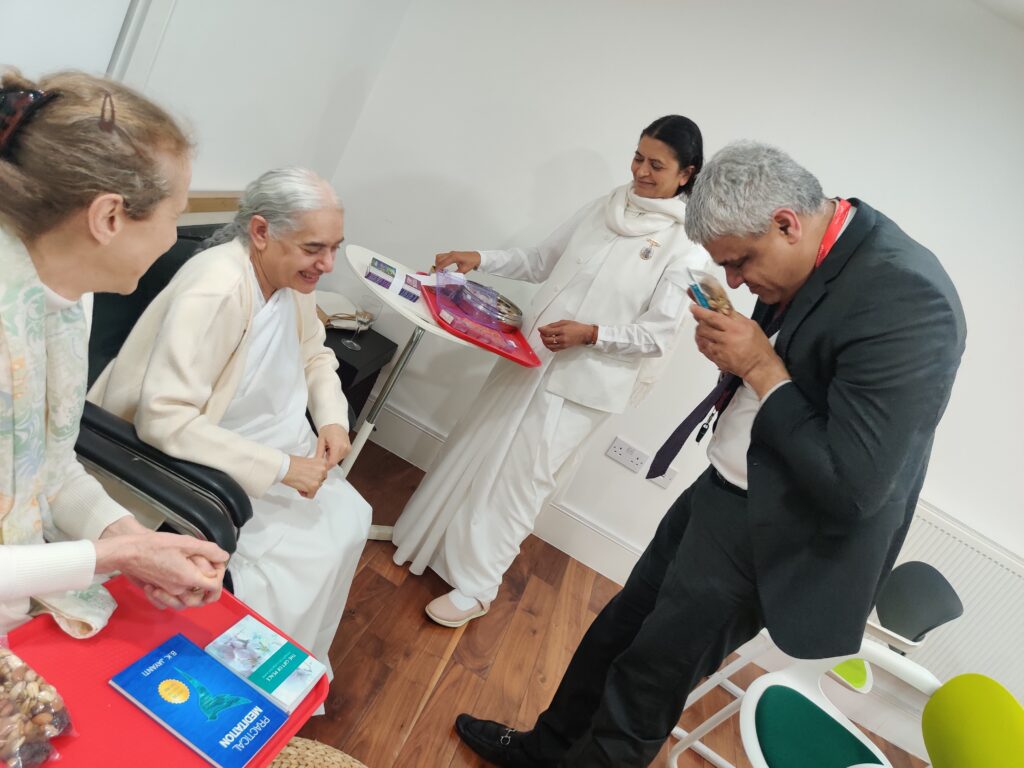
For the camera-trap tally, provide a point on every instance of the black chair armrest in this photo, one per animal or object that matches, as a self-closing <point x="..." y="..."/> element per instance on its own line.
<point x="117" y="431"/>
<point x="185" y="509"/>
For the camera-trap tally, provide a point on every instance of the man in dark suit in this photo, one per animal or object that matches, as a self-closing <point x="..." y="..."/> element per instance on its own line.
<point x="818" y="455"/>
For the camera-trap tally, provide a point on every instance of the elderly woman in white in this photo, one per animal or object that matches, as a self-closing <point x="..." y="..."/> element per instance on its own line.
<point x="612" y="303"/>
<point x="220" y="370"/>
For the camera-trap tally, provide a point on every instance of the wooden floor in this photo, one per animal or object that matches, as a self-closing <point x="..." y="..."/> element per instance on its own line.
<point x="400" y="679"/>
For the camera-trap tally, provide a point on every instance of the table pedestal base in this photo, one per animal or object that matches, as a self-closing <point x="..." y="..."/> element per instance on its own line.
<point x="381" y="532"/>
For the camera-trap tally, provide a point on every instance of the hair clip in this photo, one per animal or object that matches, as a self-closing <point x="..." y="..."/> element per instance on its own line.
<point x="107" y="123"/>
<point x="16" y="108"/>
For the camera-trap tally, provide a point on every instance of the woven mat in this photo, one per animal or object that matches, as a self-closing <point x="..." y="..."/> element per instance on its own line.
<point x="305" y="753"/>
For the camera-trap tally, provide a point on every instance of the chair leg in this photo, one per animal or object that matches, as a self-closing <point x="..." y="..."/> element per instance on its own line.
<point x="726" y="685"/>
<point x="748" y="653"/>
<point x="691" y="740"/>
<point x="714" y="680"/>
<point x="709" y="755"/>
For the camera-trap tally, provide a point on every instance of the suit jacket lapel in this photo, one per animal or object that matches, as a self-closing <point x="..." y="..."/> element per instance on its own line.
<point x="814" y="290"/>
<point x="760" y="311"/>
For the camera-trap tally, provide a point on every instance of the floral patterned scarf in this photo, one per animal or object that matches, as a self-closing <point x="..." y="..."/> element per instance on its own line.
<point x="43" y="373"/>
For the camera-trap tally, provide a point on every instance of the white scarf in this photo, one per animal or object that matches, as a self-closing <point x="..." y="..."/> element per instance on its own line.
<point x="628" y="214"/>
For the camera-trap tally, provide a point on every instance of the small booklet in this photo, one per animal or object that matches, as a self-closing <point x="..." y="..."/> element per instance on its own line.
<point x="267" y="661"/>
<point x="201" y="702"/>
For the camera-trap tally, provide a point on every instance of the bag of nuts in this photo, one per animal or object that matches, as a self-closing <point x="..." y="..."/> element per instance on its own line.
<point x="31" y="713"/>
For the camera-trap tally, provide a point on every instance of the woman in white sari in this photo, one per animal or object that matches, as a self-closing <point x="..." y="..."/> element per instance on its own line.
<point x="220" y="369"/>
<point x="612" y="301"/>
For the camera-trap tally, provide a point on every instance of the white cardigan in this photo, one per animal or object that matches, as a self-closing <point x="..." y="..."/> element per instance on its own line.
<point x="637" y="303"/>
<point x="180" y="366"/>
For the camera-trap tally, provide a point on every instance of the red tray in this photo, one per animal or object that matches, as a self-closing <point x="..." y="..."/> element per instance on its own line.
<point x="111" y="731"/>
<point x="520" y="352"/>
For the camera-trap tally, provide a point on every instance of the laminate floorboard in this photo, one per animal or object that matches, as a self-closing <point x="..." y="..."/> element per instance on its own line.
<point x="400" y="680"/>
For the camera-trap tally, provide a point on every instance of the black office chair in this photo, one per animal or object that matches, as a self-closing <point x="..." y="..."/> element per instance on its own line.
<point x="114" y="315"/>
<point x="916" y="599"/>
<point x="190" y="498"/>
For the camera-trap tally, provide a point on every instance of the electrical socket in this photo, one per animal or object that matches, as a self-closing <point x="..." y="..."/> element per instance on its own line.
<point x="629" y="456"/>
<point x="665" y="480"/>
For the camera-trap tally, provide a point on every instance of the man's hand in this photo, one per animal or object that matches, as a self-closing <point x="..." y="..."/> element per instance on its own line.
<point x="564" y="334"/>
<point x="333" y="444"/>
<point x="467" y="260"/>
<point x="737" y="344"/>
<point x="174" y="571"/>
<point x="306" y="475"/>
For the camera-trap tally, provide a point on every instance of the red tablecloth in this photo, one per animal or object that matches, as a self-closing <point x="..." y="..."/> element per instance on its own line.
<point x="111" y="731"/>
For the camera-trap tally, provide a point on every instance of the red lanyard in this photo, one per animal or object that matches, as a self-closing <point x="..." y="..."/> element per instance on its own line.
<point x="829" y="239"/>
<point x="832" y="232"/>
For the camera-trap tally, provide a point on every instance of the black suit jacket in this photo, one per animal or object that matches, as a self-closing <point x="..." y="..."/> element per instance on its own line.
<point x="837" y="458"/>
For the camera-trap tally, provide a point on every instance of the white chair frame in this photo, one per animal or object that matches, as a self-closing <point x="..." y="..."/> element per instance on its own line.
<point x="749" y="652"/>
<point x="805" y="677"/>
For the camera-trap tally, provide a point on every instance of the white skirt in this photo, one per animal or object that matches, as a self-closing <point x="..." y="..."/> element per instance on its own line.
<point x="296" y="559"/>
<point x="492" y="478"/>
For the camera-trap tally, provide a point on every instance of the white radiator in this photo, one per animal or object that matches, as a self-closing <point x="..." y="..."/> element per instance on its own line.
<point x="989" y="637"/>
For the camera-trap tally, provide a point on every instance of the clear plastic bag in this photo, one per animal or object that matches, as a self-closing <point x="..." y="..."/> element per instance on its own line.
<point x="31" y="713"/>
<point x="479" y="304"/>
<point x="708" y="292"/>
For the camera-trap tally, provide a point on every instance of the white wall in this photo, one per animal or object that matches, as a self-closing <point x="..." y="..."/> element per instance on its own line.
<point x="43" y="36"/>
<point x="263" y="83"/>
<point x="490" y="123"/>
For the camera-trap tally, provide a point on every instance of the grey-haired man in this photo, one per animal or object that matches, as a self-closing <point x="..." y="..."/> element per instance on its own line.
<point x="817" y="460"/>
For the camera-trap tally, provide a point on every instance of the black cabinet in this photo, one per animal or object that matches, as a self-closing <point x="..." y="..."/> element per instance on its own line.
<point x="358" y="368"/>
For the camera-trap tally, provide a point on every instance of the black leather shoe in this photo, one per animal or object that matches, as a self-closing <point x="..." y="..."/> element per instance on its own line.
<point x="494" y="742"/>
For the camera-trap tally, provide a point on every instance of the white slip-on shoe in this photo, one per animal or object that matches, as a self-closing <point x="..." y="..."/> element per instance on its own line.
<point x="442" y="611"/>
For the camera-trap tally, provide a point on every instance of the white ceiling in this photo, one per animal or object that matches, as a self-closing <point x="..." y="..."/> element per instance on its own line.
<point x="1011" y="10"/>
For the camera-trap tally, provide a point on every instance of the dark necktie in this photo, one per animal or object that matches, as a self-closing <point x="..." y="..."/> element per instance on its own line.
<point x="719" y="398"/>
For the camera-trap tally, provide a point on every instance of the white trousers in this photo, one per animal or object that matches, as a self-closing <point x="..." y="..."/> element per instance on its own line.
<point x="496" y="472"/>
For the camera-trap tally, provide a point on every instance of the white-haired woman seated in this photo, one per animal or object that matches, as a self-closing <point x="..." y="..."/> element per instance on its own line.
<point x="220" y="370"/>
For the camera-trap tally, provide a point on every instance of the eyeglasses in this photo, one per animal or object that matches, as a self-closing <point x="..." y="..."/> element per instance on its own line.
<point x="16" y="107"/>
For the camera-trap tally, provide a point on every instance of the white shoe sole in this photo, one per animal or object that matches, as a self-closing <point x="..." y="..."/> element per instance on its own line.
<point x="454" y="624"/>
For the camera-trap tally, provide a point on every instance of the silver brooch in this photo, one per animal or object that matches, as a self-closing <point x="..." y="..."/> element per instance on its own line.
<point x="648" y="250"/>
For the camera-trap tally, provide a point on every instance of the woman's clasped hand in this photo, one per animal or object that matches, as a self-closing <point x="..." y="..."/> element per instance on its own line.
<point x="174" y="571"/>
<point x="564" y="334"/>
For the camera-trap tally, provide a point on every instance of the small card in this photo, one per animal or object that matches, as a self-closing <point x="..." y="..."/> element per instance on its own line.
<point x="394" y="278"/>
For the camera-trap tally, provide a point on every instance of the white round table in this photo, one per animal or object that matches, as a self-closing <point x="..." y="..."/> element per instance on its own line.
<point x="419" y="315"/>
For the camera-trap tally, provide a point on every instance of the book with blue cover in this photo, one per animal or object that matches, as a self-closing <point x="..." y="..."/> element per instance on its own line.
<point x="201" y="701"/>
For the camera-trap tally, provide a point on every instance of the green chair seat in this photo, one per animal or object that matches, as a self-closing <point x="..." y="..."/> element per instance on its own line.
<point x="795" y="733"/>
